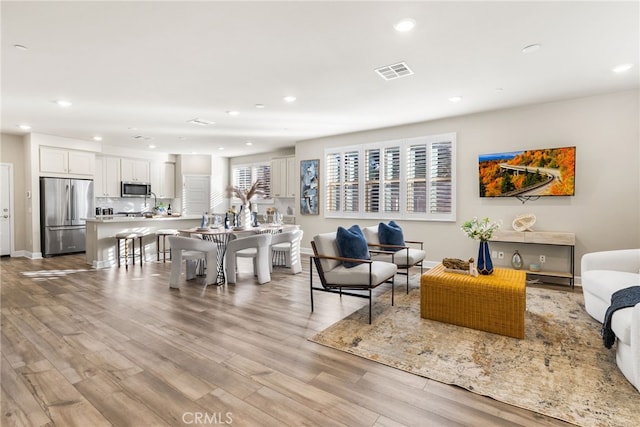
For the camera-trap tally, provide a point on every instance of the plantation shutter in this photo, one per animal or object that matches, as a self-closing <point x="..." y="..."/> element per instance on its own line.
<point x="372" y="180"/>
<point x="410" y="179"/>
<point x="441" y="178"/>
<point x="417" y="179"/>
<point x="351" y="185"/>
<point x="242" y="177"/>
<point x="333" y="184"/>
<point x="262" y="173"/>
<point x="392" y="179"/>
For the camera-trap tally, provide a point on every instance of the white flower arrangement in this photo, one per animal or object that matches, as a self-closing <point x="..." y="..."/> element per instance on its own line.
<point x="480" y="229"/>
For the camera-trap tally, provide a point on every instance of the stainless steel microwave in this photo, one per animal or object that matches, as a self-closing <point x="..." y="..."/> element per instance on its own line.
<point x="135" y="189"/>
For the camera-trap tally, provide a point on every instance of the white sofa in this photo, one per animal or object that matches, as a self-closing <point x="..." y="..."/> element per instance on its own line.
<point x="604" y="273"/>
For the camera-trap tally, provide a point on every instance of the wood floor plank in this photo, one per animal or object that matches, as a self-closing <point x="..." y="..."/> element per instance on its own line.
<point x="64" y="357"/>
<point x="116" y="346"/>
<point x="288" y="411"/>
<point x="119" y="406"/>
<point x="392" y="406"/>
<point x="59" y="398"/>
<point x="19" y="405"/>
<point x="225" y="406"/>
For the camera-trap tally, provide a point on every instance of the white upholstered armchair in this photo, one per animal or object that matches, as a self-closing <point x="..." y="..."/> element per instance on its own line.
<point x="604" y="273"/>
<point x="336" y="278"/>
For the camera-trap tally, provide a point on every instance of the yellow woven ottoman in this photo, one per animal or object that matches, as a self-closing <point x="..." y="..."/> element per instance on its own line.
<point x="493" y="303"/>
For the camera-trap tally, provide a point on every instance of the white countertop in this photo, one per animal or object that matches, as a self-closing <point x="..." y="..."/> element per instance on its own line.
<point x="122" y="218"/>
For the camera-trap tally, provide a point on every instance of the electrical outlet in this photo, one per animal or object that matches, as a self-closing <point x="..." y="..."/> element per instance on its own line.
<point x="543" y="258"/>
<point x="500" y="255"/>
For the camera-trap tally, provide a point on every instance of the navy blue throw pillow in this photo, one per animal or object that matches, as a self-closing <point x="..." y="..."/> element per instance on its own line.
<point x="352" y="244"/>
<point x="390" y="234"/>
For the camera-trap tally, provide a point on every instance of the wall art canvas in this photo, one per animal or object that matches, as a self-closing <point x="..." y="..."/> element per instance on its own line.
<point x="528" y="173"/>
<point x="309" y="186"/>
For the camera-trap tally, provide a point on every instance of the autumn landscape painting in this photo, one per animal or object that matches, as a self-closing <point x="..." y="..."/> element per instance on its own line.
<point x="543" y="172"/>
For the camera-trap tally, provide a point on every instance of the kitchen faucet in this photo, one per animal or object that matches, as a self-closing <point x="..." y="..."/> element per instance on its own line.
<point x="155" y="200"/>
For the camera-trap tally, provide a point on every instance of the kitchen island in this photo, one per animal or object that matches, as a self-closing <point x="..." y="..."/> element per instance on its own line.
<point x="101" y="231"/>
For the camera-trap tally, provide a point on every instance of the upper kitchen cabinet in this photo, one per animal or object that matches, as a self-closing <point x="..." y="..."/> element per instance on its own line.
<point x="134" y="170"/>
<point x="107" y="177"/>
<point x="61" y="161"/>
<point x="283" y="182"/>
<point x="163" y="180"/>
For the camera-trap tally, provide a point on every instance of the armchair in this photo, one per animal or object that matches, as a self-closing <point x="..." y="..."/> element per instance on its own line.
<point x="604" y="273"/>
<point x="405" y="256"/>
<point x="336" y="278"/>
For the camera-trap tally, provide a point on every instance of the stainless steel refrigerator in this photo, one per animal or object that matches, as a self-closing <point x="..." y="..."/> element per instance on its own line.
<point x="64" y="203"/>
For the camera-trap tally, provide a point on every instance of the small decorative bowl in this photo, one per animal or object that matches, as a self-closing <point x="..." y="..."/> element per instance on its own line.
<point x="534" y="267"/>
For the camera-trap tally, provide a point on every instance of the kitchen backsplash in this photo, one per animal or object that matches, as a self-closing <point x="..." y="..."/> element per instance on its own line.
<point x="286" y="205"/>
<point x="133" y="204"/>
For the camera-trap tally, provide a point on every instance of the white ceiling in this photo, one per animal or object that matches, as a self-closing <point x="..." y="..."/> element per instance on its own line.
<point x="153" y="66"/>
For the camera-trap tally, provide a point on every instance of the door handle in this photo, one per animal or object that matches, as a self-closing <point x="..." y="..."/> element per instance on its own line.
<point x="5" y="216"/>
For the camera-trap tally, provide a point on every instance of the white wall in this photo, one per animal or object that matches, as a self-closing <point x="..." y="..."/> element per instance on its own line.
<point x="604" y="213"/>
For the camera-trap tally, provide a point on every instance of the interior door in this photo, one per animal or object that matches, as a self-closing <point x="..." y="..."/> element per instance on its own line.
<point x="5" y="209"/>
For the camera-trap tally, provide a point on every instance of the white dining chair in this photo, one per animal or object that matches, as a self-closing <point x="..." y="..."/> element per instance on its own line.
<point x="260" y="243"/>
<point x="285" y="250"/>
<point x="191" y="251"/>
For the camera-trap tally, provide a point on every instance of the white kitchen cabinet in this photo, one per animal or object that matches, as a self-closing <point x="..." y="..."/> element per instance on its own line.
<point x="66" y="162"/>
<point x="106" y="182"/>
<point x="283" y="182"/>
<point x="293" y="180"/>
<point x="163" y="179"/>
<point x="134" y="170"/>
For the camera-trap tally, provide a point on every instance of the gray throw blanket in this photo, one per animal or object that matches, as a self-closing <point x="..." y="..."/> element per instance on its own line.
<point x="627" y="297"/>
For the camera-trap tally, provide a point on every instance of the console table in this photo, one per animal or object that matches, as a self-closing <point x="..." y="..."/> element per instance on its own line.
<point x="543" y="238"/>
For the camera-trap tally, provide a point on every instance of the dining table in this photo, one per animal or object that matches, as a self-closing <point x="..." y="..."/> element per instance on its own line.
<point x="221" y="237"/>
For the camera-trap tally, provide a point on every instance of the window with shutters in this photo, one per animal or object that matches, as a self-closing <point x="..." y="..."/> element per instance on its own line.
<point x="243" y="176"/>
<point x="406" y="179"/>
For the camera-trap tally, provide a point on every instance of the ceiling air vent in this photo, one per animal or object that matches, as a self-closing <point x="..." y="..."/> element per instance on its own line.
<point x="395" y="71"/>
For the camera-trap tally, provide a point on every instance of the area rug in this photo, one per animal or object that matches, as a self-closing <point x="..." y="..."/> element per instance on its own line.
<point x="560" y="369"/>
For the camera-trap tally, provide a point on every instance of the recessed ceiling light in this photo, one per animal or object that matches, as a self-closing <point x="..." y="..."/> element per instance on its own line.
<point x="249" y="143"/>
<point x="455" y="98"/>
<point x="531" y="48"/>
<point x="220" y="148"/>
<point x="152" y="146"/>
<point x="622" y="68"/>
<point x="405" y="25"/>
<point x="132" y="128"/>
<point x="193" y="152"/>
<point x="259" y="105"/>
<point x="20" y="47"/>
<point x="289" y="98"/>
<point x="24" y="126"/>
<point x="63" y="103"/>
<point x="201" y="122"/>
<point x="233" y="113"/>
<point x="97" y="138"/>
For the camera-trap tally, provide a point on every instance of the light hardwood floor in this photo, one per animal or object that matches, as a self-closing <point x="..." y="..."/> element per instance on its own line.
<point x="92" y="347"/>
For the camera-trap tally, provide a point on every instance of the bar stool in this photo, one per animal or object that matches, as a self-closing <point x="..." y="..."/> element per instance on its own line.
<point x="126" y="236"/>
<point x="163" y="234"/>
